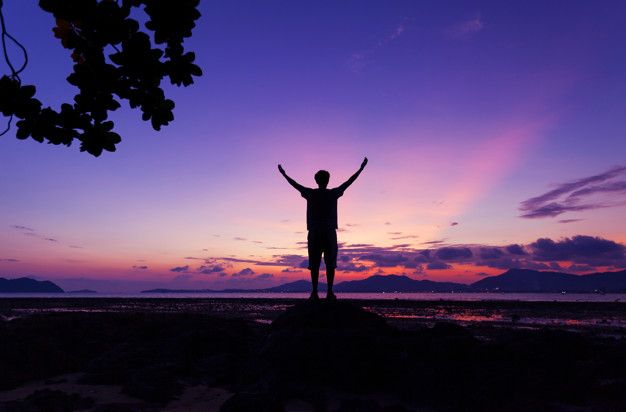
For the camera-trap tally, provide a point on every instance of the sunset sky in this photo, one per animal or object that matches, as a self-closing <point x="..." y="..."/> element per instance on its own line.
<point x="495" y="132"/>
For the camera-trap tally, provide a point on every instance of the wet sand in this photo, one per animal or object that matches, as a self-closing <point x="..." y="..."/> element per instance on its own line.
<point x="588" y="317"/>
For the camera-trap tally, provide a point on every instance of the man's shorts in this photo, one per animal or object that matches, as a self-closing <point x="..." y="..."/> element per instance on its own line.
<point x="322" y="241"/>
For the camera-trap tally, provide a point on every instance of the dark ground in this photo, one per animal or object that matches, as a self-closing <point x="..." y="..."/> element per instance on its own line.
<point x="320" y="356"/>
<point x="595" y="317"/>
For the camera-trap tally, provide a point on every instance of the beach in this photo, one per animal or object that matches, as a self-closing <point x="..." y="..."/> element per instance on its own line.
<point x="220" y="353"/>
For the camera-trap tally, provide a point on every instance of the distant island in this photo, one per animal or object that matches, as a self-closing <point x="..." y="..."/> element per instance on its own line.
<point x="28" y="285"/>
<point x="372" y="284"/>
<point x="511" y="281"/>
<point x="533" y="281"/>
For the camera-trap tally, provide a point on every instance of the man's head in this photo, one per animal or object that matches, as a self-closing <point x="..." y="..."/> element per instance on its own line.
<point x="322" y="177"/>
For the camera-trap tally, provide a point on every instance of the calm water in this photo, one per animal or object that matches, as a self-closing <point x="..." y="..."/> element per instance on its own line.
<point x="463" y="297"/>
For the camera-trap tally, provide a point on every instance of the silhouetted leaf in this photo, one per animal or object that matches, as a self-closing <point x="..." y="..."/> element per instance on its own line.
<point x="133" y="72"/>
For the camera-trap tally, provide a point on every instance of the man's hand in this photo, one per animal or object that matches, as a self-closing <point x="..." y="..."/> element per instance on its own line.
<point x="348" y="182"/>
<point x="292" y="182"/>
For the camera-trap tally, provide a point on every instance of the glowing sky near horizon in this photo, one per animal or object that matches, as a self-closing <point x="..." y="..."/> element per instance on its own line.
<point x="465" y="110"/>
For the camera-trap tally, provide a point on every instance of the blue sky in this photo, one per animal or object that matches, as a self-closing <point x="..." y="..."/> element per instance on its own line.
<point x="465" y="110"/>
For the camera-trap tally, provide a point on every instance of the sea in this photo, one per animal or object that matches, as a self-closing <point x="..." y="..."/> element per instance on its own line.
<point x="462" y="297"/>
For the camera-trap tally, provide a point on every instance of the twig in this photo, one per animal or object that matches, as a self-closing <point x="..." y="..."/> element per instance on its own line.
<point x="15" y="74"/>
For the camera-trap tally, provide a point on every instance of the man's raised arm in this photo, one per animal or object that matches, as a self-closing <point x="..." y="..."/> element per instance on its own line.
<point x="292" y="182"/>
<point x="348" y="182"/>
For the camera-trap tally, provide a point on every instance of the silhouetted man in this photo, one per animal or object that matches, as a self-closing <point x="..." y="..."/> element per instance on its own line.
<point x="321" y="222"/>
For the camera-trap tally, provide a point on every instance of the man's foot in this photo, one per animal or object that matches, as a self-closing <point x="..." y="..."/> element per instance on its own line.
<point x="314" y="296"/>
<point x="331" y="296"/>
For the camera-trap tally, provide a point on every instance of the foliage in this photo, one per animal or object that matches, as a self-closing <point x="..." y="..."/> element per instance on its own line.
<point x="113" y="60"/>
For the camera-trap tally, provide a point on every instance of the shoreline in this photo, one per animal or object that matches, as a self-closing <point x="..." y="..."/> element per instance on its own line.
<point x="607" y="318"/>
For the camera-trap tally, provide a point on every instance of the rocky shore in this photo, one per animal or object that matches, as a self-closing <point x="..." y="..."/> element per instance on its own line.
<point x="312" y="356"/>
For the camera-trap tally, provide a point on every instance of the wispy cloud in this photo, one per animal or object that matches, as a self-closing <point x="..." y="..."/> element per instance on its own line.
<point x="29" y="231"/>
<point x="578" y="195"/>
<point x="404" y="237"/>
<point x="570" y="220"/>
<point x="465" y="29"/>
<point x="290" y="270"/>
<point x="23" y="228"/>
<point x="245" y="272"/>
<point x="210" y="269"/>
<point x="434" y="242"/>
<point x="438" y="265"/>
<point x="360" y="59"/>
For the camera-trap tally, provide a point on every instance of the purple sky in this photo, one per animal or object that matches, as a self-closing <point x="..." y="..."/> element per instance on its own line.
<point x="487" y="124"/>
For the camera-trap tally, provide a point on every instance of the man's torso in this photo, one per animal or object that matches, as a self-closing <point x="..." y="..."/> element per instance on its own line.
<point x="321" y="209"/>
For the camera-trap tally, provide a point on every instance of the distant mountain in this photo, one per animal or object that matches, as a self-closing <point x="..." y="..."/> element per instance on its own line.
<point x="85" y="291"/>
<point x="299" y="286"/>
<point x="161" y="290"/>
<point x="396" y="283"/>
<point x="292" y="287"/>
<point x="372" y="284"/>
<point x="533" y="281"/>
<point x="513" y="280"/>
<point x="27" y="285"/>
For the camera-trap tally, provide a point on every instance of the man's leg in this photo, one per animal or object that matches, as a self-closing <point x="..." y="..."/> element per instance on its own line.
<point x="315" y="258"/>
<point x="330" y="258"/>
<point x="330" y="278"/>
<point x="315" y="274"/>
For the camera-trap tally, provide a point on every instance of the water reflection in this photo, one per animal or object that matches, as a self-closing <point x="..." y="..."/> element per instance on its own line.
<point x="402" y="312"/>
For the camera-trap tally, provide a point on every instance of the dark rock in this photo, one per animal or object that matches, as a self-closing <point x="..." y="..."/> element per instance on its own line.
<point x="146" y="353"/>
<point x="338" y="315"/>
<point x="451" y="330"/>
<point x="47" y="400"/>
<point x="124" y="407"/>
<point x="252" y="402"/>
<point x="329" y="343"/>
<point x="55" y="381"/>
<point x="157" y="384"/>
<point x="367" y="405"/>
<point x="114" y="407"/>
<point x="312" y="352"/>
<point x="359" y="405"/>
